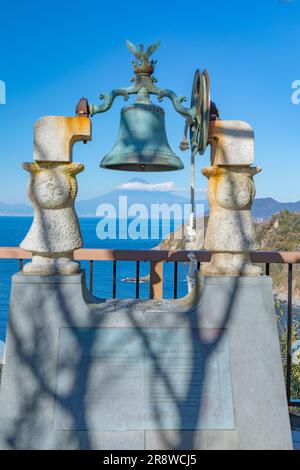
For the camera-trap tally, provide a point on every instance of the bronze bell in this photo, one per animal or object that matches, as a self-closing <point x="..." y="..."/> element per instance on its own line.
<point x="142" y="143"/>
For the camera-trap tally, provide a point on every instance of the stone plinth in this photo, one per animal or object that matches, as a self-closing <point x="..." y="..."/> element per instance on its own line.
<point x="85" y="374"/>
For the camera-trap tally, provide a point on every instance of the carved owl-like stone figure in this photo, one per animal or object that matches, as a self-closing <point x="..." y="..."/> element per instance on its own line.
<point x="54" y="232"/>
<point x="231" y="191"/>
<point x="230" y="233"/>
<point x="51" y="189"/>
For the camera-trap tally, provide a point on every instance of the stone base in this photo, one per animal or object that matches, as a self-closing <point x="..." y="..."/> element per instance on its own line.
<point x="81" y="373"/>
<point x="44" y="265"/>
<point x="230" y="264"/>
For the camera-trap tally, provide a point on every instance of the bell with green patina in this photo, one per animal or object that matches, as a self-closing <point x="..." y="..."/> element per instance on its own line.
<point x="142" y="143"/>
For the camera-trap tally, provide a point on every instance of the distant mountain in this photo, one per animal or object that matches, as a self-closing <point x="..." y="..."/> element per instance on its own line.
<point x="144" y="196"/>
<point x="15" y="209"/>
<point x="264" y="208"/>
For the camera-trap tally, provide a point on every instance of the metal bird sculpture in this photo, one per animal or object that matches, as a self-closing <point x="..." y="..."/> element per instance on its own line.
<point x="139" y="53"/>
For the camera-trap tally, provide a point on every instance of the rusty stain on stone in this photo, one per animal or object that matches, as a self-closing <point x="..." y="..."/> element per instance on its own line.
<point x="230" y="233"/>
<point x="54" y="137"/>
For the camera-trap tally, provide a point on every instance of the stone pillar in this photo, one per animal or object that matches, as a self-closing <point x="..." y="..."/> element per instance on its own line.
<point x="230" y="233"/>
<point x="55" y="232"/>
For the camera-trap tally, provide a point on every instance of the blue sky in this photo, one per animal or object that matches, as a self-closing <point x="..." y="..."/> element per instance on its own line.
<point x="54" y="52"/>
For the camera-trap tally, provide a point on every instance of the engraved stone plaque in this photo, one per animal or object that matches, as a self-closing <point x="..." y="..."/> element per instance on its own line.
<point x="113" y="379"/>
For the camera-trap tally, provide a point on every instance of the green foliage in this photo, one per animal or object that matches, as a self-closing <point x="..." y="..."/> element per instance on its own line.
<point x="282" y="327"/>
<point x="281" y="233"/>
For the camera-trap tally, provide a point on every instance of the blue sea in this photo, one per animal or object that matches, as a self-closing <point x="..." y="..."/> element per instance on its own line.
<point x="13" y="230"/>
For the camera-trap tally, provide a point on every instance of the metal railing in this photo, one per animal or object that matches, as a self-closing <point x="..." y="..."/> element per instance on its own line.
<point x="157" y="258"/>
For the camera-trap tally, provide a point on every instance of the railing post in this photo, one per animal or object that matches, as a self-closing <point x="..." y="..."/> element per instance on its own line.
<point x="114" y="279"/>
<point x="91" y="275"/>
<point x="137" y="286"/>
<point x="175" y="279"/>
<point x="156" y="279"/>
<point x="267" y="269"/>
<point x="289" y="333"/>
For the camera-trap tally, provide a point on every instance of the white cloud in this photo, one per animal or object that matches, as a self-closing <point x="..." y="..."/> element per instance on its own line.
<point x="169" y="186"/>
<point x="138" y="185"/>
